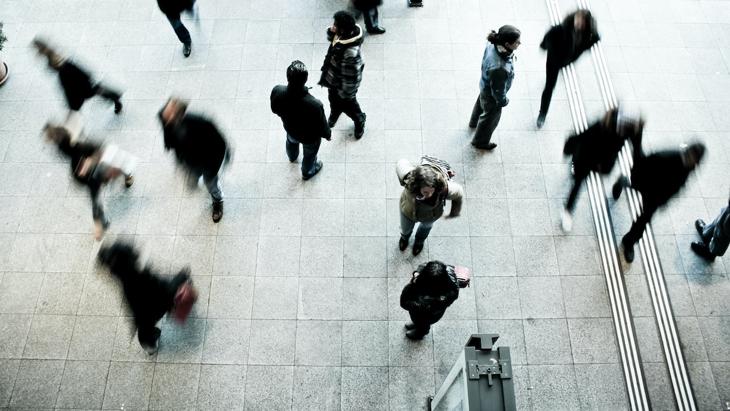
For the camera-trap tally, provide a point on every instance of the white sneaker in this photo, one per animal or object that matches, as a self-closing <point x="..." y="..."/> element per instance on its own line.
<point x="566" y="221"/>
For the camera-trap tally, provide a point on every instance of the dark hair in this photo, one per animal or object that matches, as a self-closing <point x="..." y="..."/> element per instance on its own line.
<point x="696" y="151"/>
<point x="423" y="176"/>
<point x="506" y="34"/>
<point x="296" y="74"/>
<point x="57" y="134"/>
<point x="345" y="22"/>
<point x="590" y="22"/>
<point x="434" y="275"/>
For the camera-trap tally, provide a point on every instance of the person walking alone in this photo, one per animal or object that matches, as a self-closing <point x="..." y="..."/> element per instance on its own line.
<point x="342" y="70"/>
<point x="369" y="10"/>
<point x="172" y="10"/>
<point x="303" y="118"/>
<point x="496" y="80"/>
<point x="432" y="289"/>
<point x="564" y="43"/>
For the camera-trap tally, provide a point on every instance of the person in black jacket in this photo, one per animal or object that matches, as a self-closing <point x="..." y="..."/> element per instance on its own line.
<point x="714" y="237"/>
<point x="76" y="82"/>
<point x="88" y="169"/>
<point x="596" y="149"/>
<point x="303" y="118"/>
<point x="564" y="44"/>
<point x="369" y="10"/>
<point x="149" y="295"/>
<point x="432" y="289"/>
<point x="172" y="10"/>
<point x="199" y="147"/>
<point x="658" y="177"/>
<point x="342" y="70"/>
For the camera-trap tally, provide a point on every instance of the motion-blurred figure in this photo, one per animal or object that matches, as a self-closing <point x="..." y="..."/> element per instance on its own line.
<point x="369" y="9"/>
<point x="564" y="44"/>
<point x="432" y="289"/>
<point x="76" y="82"/>
<point x="172" y="10"/>
<point x="715" y="237"/>
<point x="342" y="70"/>
<point x="596" y="149"/>
<point x="658" y="177"/>
<point x="148" y="294"/>
<point x="303" y="118"/>
<point x="495" y="82"/>
<point x="198" y="146"/>
<point x="93" y="165"/>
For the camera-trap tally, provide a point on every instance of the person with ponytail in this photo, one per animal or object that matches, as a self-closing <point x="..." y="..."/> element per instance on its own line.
<point x="496" y="80"/>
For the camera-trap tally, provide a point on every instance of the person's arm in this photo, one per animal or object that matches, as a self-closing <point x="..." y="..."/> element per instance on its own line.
<point x="326" y="131"/>
<point x="498" y="86"/>
<point x="274" y="106"/>
<point x="402" y="168"/>
<point x="409" y="298"/>
<point x="456" y="195"/>
<point x="548" y="41"/>
<point x="351" y="68"/>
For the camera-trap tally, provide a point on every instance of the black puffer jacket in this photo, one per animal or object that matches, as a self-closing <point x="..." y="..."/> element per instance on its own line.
<point x="659" y="176"/>
<point x="302" y="114"/>
<point x="366" y="4"/>
<point x="429" y="299"/>
<point x="343" y="65"/>
<point x="596" y="148"/>
<point x="564" y="45"/>
<point x="175" y="7"/>
<point x="197" y="143"/>
<point x="76" y="83"/>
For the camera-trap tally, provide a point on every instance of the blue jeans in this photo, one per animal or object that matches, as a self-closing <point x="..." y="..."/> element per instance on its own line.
<point x="309" y="156"/>
<point x="406" y="228"/>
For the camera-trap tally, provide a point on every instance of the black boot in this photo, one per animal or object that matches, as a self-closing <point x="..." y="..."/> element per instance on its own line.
<point x="409" y="326"/>
<point x="702" y="250"/>
<point x="628" y="250"/>
<point x="217" y="211"/>
<point x="700" y="226"/>
<point x="118" y="106"/>
<point x="402" y="243"/>
<point x="618" y="187"/>
<point x="360" y="125"/>
<point x="332" y="119"/>
<point x="415" y="334"/>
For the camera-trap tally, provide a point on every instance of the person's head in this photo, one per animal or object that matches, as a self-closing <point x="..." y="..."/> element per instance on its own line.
<point x="623" y="122"/>
<point x="56" y="134"/>
<point x="582" y="20"/>
<point x="297" y="74"/>
<point x="173" y="110"/>
<point x="55" y="59"/>
<point x="423" y="182"/>
<point x="344" y="23"/>
<point x="433" y="275"/>
<point x="507" y="39"/>
<point x="121" y="258"/>
<point x="692" y="154"/>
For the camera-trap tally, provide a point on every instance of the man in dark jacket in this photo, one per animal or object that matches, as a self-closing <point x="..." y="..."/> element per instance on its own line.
<point x="715" y="237"/>
<point x="432" y="289"/>
<point x="172" y="10"/>
<point x="303" y="118"/>
<point x="199" y="147"/>
<point x="596" y="149"/>
<point x="564" y="44"/>
<point x="369" y="9"/>
<point x="658" y="177"/>
<point x="342" y="70"/>
<point x="76" y="82"/>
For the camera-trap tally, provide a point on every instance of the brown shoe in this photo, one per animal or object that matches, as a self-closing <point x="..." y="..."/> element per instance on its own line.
<point x="128" y="181"/>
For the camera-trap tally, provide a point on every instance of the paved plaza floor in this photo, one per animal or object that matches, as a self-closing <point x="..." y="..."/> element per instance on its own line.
<point x="300" y="281"/>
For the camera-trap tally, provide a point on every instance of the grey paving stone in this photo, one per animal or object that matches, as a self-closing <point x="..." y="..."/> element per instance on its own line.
<point x="592" y="340"/>
<point x="275" y="298"/>
<point x="488" y="217"/>
<point x="578" y="255"/>
<point x="366" y="298"/>
<point x="19" y="292"/>
<point x="586" y="296"/>
<point x="93" y="338"/>
<point x="83" y="384"/>
<point x="547" y="341"/>
<point x="278" y="256"/>
<point x="365" y="387"/>
<point x="126" y="343"/>
<point x="498" y="298"/>
<point x="242" y="216"/>
<point x="174" y="386"/>
<point x="317" y="387"/>
<point x="554" y="386"/>
<point x="323" y="217"/>
<point x="493" y="256"/>
<point x="601" y="387"/>
<point x="49" y="337"/>
<point x="226" y="341"/>
<point x="649" y="344"/>
<point x="181" y="343"/>
<point x="721" y="375"/>
<point x="541" y="297"/>
<point x="8" y="372"/>
<point x="402" y="263"/>
<point x="535" y="255"/>
<point x="364" y="217"/>
<point x="319" y="343"/>
<point x="449" y="338"/>
<point x="680" y="295"/>
<point x="409" y="387"/>
<point x="60" y="293"/>
<point x="36" y="384"/>
<point x="320" y="298"/>
<point x="100" y="296"/>
<point x="365" y="257"/>
<point x="273" y="342"/>
<point x="365" y="343"/>
<point x="718" y="348"/>
<point x="281" y="217"/>
<point x="704" y="385"/>
<point x="231" y="297"/>
<point x="221" y="386"/>
<point x="707" y="294"/>
<point x="403" y="351"/>
<point x="321" y="257"/>
<point x="129" y="385"/>
<point x="530" y="217"/>
<point x="268" y="387"/>
<point x="690" y="337"/>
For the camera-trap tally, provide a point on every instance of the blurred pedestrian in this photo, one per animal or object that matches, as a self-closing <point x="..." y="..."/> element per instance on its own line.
<point x="94" y="166"/>
<point x="172" y="10"/>
<point x="342" y="70"/>
<point x="432" y="289"/>
<point x="303" y="118"/>
<point x="198" y="146"/>
<point x="149" y="295"/>
<point x="564" y="43"/>
<point x="596" y="149"/>
<point x="425" y="190"/>
<point x="496" y="80"/>
<point x="658" y="177"/>
<point x="76" y="82"/>
<point x="415" y="3"/>
<point x="369" y="9"/>
<point x="714" y="237"/>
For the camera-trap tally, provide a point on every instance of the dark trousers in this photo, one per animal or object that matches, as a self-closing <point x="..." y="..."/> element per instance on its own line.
<point x="423" y="321"/>
<point x="370" y="17"/>
<point x="339" y="105"/>
<point x="578" y="178"/>
<point x="637" y="228"/>
<point x="182" y="33"/>
<point x="485" y="116"/>
<point x="309" y="156"/>
<point x="552" y="71"/>
<point x="76" y="100"/>
<point x="97" y="208"/>
<point x="148" y="334"/>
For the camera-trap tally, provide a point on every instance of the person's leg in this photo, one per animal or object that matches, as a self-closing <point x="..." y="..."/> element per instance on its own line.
<point x="148" y="336"/>
<point x="352" y="109"/>
<point x="406" y="228"/>
<point x="419" y="326"/>
<point x="212" y="182"/>
<point x="637" y="230"/>
<point x="335" y="107"/>
<point x="578" y="178"/>
<point x="487" y="123"/>
<point x="182" y="33"/>
<point x="368" y="19"/>
<point x="310" y="165"/>
<point x="476" y="112"/>
<point x="97" y="210"/>
<point x="292" y="148"/>
<point x="424" y="228"/>
<point x="111" y="95"/>
<point x="551" y="78"/>
<point x="709" y="229"/>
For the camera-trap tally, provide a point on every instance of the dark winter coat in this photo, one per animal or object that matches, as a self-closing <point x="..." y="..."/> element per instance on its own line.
<point x="564" y="45"/>
<point x="364" y="5"/>
<point x="77" y="153"/>
<point x="175" y="7"/>
<point x="497" y="74"/>
<point x="596" y="148"/>
<point x="429" y="302"/>
<point x="302" y="114"/>
<point x="659" y="176"/>
<point x="76" y="83"/>
<point x="197" y="143"/>
<point x="721" y="234"/>
<point x="343" y="66"/>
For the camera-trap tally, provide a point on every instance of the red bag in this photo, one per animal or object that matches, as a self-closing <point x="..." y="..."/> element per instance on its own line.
<point x="185" y="297"/>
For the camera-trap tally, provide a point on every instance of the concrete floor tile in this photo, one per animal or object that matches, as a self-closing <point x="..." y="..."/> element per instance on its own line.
<point x="365" y="387"/>
<point x="49" y="337"/>
<point x="547" y="341"/>
<point x="319" y="343"/>
<point x="321" y="257"/>
<point x="365" y="343"/>
<point x="541" y="297"/>
<point x="221" y="386"/>
<point x="557" y="388"/>
<point x="36" y="384"/>
<point x="317" y="387"/>
<point x="93" y="338"/>
<point x="226" y="341"/>
<point x="174" y="386"/>
<point x="366" y="299"/>
<point x="497" y="298"/>
<point x="268" y="387"/>
<point x="273" y="342"/>
<point x="129" y="385"/>
<point x="83" y="384"/>
<point x="592" y="340"/>
<point x="231" y="297"/>
<point x="275" y="298"/>
<point x="600" y="386"/>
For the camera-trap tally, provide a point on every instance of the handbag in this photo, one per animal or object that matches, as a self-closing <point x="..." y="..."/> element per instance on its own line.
<point x="461" y="274"/>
